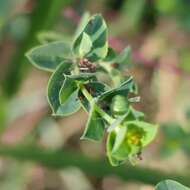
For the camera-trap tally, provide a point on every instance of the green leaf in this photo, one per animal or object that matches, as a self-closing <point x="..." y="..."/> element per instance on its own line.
<point x="82" y="77"/>
<point x="117" y="122"/>
<point x="49" y="56"/>
<point x="170" y="185"/>
<point x="123" y="89"/>
<point x="123" y="151"/>
<point x="96" y="29"/>
<point x="83" y="22"/>
<point x="85" y="45"/>
<point x="124" y="57"/>
<point x="54" y="86"/>
<point x="109" y="147"/>
<point x="134" y="114"/>
<point x="95" y="125"/>
<point x="68" y="93"/>
<point x="71" y="84"/>
<point x="120" y="137"/>
<point x="70" y="106"/>
<point x="111" y="55"/>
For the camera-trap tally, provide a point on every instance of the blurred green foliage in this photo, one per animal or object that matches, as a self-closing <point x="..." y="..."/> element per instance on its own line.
<point x="43" y="17"/>
<point x="175" y="137"/>
<point x="3" y="111"/>
<point x="180" y="9"/>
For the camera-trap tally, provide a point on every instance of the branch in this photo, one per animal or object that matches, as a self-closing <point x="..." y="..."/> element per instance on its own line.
<point x="62" y="158"/>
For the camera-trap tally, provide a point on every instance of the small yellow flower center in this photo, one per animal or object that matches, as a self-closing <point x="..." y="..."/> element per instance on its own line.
<point x="134" y="136"/>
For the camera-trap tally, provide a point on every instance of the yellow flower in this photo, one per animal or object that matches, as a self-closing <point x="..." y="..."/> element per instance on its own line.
<point x="134" y="136"/>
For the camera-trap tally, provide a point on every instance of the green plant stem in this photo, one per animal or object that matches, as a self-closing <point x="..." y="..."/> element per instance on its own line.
<point x="60" y="159"/>
<point x="102" y="113"/>
<point x="43" y="17"/>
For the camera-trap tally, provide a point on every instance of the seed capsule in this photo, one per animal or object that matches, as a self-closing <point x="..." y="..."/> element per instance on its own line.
<point x="119" y="105"/>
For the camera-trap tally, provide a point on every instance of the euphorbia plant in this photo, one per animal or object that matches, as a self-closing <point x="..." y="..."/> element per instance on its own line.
<point x="79" y="71"/>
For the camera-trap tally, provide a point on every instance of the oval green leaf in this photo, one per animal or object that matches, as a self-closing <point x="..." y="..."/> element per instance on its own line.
<point x="47" y="57"/>
<point x="96" y="29"/>
<point x="71" y="104"/>
<point x="170" y="185"/>
<point x="95" y="125"/>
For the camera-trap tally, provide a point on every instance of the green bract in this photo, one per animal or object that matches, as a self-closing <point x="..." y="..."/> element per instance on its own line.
<point x="75" y="83"/>
<point x="95" y="125"/>
<point x="129" y="139"/>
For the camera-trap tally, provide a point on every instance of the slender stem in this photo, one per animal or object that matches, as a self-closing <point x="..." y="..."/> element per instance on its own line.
<point x="102" y="113"/>
<point x="109" y="119"/>
<point x="86" y="93"/>
<point x="60" y="159"/>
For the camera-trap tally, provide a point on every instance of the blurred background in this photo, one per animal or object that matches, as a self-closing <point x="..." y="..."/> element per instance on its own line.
<point x="38" y="151"/>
